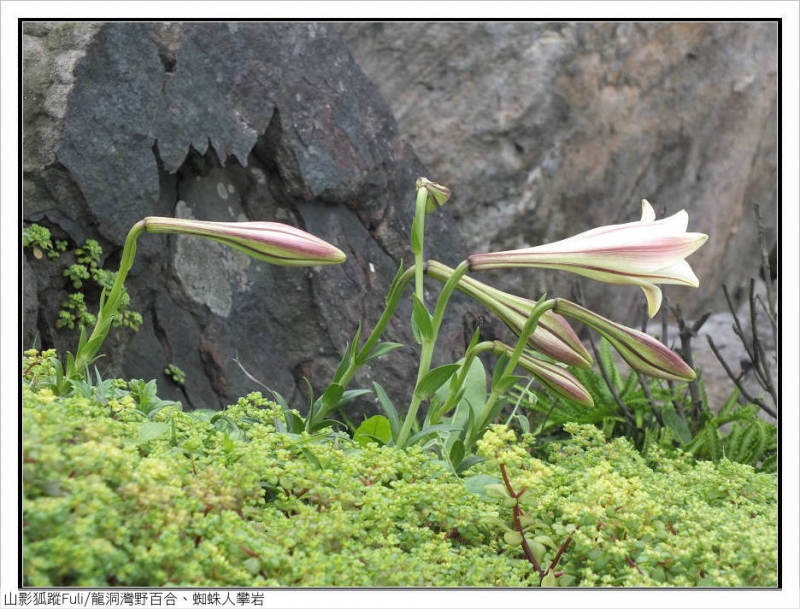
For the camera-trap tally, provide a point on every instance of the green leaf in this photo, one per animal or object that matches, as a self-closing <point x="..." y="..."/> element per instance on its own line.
<point x="330" y="399"/>
<point x="434" y="379"/>
<point x="475" y="386"/>
<point x="523" y="422"/>
<point x="676" y="423"/>
<point x="499" y="368"/>
<point x="506" y="383"/>
<point x="468" y="462"/>
<point x="753" y="444"/>
<point x="698" y="442"/>
<point x="456" y="453"/>
<point x="630" y="385"/>
<point x="429" y="431"/>
<point x="477" y="484"/>
<point x="713" y="442"/>
<point x="472" y="398"/>
<point x="389" y="409"/>
<point x="344" y="364"/>
<point x="352" y="394"/>
<point x="421" y="318"/>
<point x="374" y="428"/>
<point x="733" y="442"/>
<point x="476" y="337"/>
<point x="550" y="580"/>
<point x="381" y="349"/>
<point x="770" y="464"/>
<point x="394" y="283"/>
<point x="607" y="361"/>
<point x="730" y="404"/>
<point x="150" y="430"/>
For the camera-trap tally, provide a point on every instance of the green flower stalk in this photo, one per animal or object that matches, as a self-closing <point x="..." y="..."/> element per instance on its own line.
<point x="430" y="196"/>
<point x="553" y="335"/>
<point x="642" y="352"/>
<point x="270" y="242"/>
<point x="554" y="377"/>
<point x="643" y="253"/>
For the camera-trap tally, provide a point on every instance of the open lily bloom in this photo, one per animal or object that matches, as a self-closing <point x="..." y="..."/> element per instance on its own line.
<point x="644" y="253"/>
<point x="270" y="242"/>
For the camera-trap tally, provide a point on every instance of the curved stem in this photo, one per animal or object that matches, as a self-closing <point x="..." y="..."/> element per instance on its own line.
<point x="109" y="305"/>
<point x="528" y="329"/>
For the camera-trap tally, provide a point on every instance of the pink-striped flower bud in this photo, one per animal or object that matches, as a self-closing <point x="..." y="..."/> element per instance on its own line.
<point x="554" y="377"/>
<point x="270" y="242"/>
<point x="553" y="335"/>
<point x="641" y="351"/>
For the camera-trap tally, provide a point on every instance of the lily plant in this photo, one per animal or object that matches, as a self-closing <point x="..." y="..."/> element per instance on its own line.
<point x="270" y="242"/>
<point x="646" y="253"/>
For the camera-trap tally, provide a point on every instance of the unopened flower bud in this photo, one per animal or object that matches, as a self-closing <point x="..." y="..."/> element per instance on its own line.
<point x="641" y="351"/>
<point x="270" y="242"/>
<point x="554" y="377"/>
<point x="437" y="194"/>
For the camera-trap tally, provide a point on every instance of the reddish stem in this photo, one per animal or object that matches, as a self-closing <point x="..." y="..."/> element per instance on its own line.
<point x="518" y="525"/>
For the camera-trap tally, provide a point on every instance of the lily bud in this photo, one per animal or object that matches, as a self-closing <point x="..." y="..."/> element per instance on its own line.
<point x="641" y="351"/>
<point x="643" y="253"/>
<point x="437" y="194"/>
<point x="553" y="335"/>
<point x="270" y="242"/>
<point x="552" y="376"/>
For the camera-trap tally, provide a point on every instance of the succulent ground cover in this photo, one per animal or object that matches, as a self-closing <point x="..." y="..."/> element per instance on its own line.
<point x="121" y="488"/>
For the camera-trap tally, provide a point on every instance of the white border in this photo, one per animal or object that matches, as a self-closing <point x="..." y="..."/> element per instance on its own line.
<point x="671" y="11"/>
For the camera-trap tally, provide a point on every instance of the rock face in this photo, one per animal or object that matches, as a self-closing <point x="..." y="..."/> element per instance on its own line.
<point x="223" y="122"/>
<point x="544" y="130"/>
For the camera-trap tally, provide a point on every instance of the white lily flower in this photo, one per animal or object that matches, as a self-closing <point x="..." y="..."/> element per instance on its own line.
<point x="644" y="253"/>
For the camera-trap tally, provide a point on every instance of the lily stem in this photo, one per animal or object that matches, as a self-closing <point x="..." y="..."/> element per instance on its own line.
<point x="428" y="343"/>
<point x="109" y="305"/>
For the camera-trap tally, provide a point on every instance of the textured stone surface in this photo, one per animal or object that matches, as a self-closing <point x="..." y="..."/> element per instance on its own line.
<point x="222" y="122"/>
<point x="547" y="129"/>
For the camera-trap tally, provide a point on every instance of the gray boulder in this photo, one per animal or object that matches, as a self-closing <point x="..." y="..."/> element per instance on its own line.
<point x="226" y="122"/>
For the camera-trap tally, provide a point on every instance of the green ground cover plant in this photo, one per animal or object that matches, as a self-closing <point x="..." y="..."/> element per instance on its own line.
<point x="121" y="488"/>
<point x="74" y="313"/>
